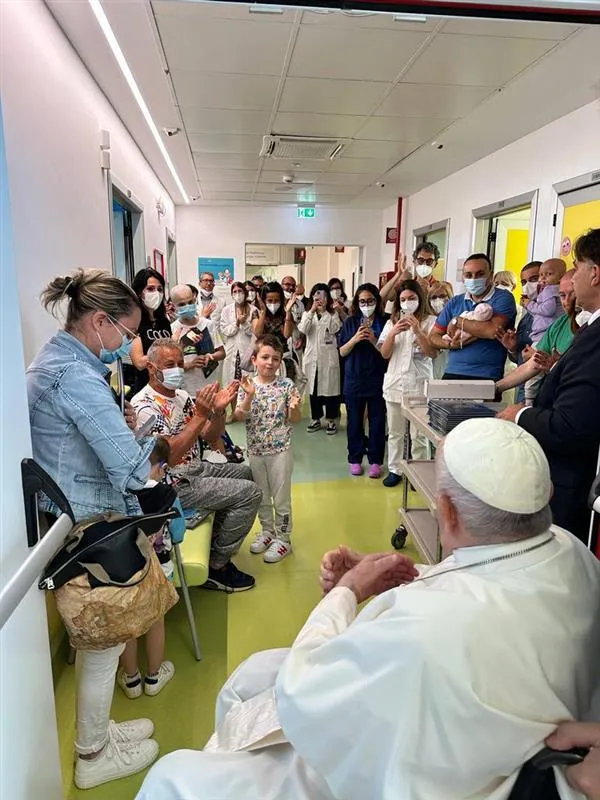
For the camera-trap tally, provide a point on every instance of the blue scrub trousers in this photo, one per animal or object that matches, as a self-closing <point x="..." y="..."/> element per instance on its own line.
<point x="355" y="408"/>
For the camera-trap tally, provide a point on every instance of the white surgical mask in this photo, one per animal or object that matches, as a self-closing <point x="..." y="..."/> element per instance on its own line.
<point x="423" y="271"/>
<point x="287" y="295"/>
<point x="206" y="294"/>
<point x="409" y="306"/>
<point x="530" y="289"/>
<point x="152" y="300"/>
<point x="172" y="378"/>
<point x="251" y="295"/>
<point x="238" y="297"/>
<point x="583" y="317"/>
<point x="437" y="304"/>
<point x="300" y="297"/>
<point x="368" y="311"/>
<point x="336" y="294"/>
<point x="273" y="307"/>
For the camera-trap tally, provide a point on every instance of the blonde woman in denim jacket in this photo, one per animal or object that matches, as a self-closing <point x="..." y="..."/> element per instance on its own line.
<point x="81" y="438"/>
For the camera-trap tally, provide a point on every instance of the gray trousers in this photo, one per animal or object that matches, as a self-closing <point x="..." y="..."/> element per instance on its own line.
<point x="229" y="491"/>
<point x="273" y="474"/>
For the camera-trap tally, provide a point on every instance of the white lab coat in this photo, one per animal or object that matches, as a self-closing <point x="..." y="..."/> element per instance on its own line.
<point x="408" y="367"/>
<point x="236" y="338"/>
<point x="321" y="352"/>
<point x="439" y="690"/>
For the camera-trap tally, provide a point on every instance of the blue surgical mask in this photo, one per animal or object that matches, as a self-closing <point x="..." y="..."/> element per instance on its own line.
<point x="188" y="311"/>
<point x="110" y="356"/>
<point x="172" y="377"/>
<point x="476" y="286"/>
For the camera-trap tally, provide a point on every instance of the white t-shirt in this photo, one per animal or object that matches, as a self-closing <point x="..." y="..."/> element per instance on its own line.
<point x="409" y="367"/>
<point x="198" y="339"/>
<point x="171" y="415"/>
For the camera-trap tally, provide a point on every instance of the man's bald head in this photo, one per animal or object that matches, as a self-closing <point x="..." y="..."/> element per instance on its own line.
<point x="181" y="293"/>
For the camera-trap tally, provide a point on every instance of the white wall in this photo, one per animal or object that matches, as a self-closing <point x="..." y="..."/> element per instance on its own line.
<point x="564" y="149"/>
<point x="29" y="763"/>
<point x="53" y="113"/>
<point x="223" y="232"/>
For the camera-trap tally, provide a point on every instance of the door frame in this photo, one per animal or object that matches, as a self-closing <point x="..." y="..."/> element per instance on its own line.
<point x="501" y="207"/>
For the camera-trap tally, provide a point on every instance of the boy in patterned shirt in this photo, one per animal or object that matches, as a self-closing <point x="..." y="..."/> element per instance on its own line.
<point x="270" y="404"/>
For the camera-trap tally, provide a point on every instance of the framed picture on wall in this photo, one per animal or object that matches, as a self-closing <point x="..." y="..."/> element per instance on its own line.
<point x="159" y="262"/>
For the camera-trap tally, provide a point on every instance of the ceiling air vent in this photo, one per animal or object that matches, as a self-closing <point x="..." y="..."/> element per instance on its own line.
<point x="295" y="148"/>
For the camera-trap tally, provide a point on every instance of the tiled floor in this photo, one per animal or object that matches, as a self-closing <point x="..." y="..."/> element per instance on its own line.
<point x="329" y="508"/>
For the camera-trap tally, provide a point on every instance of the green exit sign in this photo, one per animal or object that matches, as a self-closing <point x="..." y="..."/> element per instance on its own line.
<point x="306" y="212"/>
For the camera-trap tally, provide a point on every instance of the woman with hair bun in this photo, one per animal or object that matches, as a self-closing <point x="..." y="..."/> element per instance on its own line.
<point x="85" y="443"/>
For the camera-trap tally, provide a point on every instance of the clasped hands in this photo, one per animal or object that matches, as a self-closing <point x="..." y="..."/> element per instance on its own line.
<point x="365" y="575"/>
<point x="213" y="398"/>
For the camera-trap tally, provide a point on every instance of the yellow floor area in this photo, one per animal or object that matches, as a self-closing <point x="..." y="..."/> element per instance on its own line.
<point x="355" y="511"/>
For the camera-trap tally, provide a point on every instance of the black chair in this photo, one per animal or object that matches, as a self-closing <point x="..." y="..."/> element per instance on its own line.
<point x="536" y="778"/>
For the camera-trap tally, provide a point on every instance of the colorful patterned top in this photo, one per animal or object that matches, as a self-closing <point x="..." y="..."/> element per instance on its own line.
<point x="171" y="414"/>
<point x="268" y="430"/>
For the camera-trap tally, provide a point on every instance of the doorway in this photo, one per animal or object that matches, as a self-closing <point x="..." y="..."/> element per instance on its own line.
<point x="171" y="260"/>
<point x="577" y="210"/>
<point x="505" y="232"/>
<point x="127" y="234"/>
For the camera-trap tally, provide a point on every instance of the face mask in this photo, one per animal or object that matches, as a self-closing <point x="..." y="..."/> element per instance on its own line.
<point x="287" y="295"/>
<point x="423" y="271"/>
<point x="336" y="294"/>
<point x="238" y="297"/>
<point x="273" y="307"/>
<point x="110" y="356"/>
<point x="530" y="289"/>
<point x="476" y="286"/>
<point x="172" y="378"/>
<point x="437" y="304"/>
<point x="368" y="311"/>
<point x="206" y="294"/>
<point x="251" y="295"/>
<point x="583" y="317"/>
<point x="300" y="297"/>
<point x="152" y="300"/>
<point x="409" y="306"/>
<point x="188" y="311"/>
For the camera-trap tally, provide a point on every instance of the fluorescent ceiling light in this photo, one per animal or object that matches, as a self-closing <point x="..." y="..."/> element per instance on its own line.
<point x="265" y="9"/>
<point x="108" y="32"/>
<point x="410" y="18"/>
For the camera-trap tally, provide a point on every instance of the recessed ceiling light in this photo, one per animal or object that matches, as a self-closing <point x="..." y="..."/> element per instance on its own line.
<point x="110" y="37"/>
<point x="265" y="9"/>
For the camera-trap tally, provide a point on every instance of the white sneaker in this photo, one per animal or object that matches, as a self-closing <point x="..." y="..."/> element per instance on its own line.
<point x="277" y="551"/>
<point x="261" y="542"/>
<point x="132" y="688"/>
<point x="214" y="457"/>
<point x="116" y="761"/>
<point x="154" y="684"/>
<point x="133" y="730"/>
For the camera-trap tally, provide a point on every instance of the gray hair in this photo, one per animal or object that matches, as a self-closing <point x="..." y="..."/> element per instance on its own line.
<point x="484" y="522"/>
<point x="160" y="345"/>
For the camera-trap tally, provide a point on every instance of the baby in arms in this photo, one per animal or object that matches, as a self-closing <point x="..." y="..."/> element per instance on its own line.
<point x="482" y="312"/>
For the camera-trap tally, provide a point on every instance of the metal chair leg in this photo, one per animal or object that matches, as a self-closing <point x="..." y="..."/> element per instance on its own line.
<point x="188" y="603"/>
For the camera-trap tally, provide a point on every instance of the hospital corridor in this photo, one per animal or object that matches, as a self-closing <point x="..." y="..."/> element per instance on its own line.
<point x="300" y="379"/>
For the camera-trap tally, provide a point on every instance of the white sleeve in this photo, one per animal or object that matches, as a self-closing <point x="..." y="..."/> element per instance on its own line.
<point x="385" y="332"/>
<point x="214" y="334"/>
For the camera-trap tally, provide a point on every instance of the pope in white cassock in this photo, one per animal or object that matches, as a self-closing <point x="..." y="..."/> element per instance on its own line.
<point x="444" y="684"/>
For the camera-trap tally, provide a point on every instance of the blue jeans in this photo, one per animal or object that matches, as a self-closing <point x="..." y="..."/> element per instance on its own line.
<point x="375" y="407"/>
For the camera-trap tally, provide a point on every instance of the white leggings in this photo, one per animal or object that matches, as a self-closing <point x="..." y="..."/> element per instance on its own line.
<point x="96" y="672"/>
<point x="396" y="439"/>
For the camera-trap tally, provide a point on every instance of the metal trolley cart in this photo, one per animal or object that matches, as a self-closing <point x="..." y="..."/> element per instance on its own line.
<point x="420" y="523"/>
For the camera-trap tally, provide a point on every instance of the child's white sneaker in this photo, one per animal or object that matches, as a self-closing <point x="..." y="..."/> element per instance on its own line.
<point x="154" y="683"/>
<point x="261" y="542"/>
<point x="277" y="551"/>
<point x="117" y="760"/>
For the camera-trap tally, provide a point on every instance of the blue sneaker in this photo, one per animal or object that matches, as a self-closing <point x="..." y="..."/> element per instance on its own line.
<point x="392" y="480"/>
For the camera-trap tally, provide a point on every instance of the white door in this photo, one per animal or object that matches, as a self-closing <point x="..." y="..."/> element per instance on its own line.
<point x="29" y="760"/>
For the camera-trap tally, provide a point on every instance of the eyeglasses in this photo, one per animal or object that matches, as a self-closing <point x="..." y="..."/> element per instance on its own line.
<point x="208" y="280"/>
<point x="428" y="261"/>
<point x="128" y="332"/>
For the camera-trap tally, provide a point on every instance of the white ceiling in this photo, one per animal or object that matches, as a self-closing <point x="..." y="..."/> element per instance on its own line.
<point x="389" y="87"/>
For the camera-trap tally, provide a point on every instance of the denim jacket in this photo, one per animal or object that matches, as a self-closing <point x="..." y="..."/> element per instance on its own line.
<point x="79" y="434"/>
